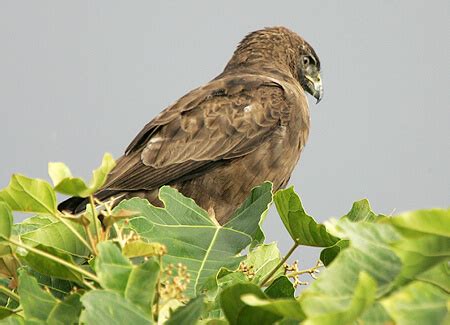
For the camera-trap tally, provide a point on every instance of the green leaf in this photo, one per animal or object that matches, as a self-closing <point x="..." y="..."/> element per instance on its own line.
<point x="29" y="195"/>
<point x="288" y="308"/>
<point x="192" y="237"/>
<point x="141" y="286"/>
<point x="237" y="312"/>
<point x="438" y="275"/>
<point x="281" y="287"/>
<point x="303" y="229"/>
<point x="30" y="224"/>
<point x="376" y="315"/>
<point x="49" y="267"/>
<point x="6" y="220"/>
<point x="108" y="307"/>
<point x="361" y="211"/>
<point x="67" y="311"/>
<point x="418" y="303"/>
<point x="327" y="255"/>
<point x="65" y="183"/>
<point x="369" y="252"/>
<point x="255" y="207"/>
<point x="58" y="287"/>
<point x="139" y="248"/>
<point x="40" y="305"/>
<point x="424" y="242"/>
<point x="362" y="298"/>
<point x="112" y="268"/>
<point x="189" y="314"/>
<point x="135" y="282"/>
<point x="56" y="235"/>
<point x="433" y="221"/>
<point x="36" y="302"/>
<point x="262" y="260"/>
<point x="13" y="320"/>
<point x="5" y="312"/>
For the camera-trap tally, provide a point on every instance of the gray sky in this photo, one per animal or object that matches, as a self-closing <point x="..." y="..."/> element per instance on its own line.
<point x="78" y="78"/>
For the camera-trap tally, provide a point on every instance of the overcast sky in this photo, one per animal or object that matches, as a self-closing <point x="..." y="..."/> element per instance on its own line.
<point x="78" y="78"/>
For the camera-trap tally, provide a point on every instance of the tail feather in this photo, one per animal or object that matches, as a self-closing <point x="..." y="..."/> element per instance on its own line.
<point x="77" y="204"/>
<point x="73" y="205"/>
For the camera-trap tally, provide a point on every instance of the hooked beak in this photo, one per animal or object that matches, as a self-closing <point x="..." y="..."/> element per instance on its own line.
<point x="315" y="88"/>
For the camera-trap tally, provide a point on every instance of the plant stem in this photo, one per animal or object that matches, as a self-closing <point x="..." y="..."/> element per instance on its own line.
<point x="311" y="271"/>
<point x="75" y="232"/>
<point x="9" y="293"/>
<point x="289" y="253"/>
<point x="158" y="288"/>
<point x="91" y="239"/>
<point x="94" y="216"/>
<point x="54" y="258"/>
<point x="90" y="286"/>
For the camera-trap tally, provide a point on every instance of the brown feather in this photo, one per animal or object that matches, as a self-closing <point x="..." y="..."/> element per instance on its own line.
<point x="220" y="140"/>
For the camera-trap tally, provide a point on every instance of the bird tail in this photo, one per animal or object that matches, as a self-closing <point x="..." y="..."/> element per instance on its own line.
<point x="73" y="205"/>
<point x="77" y="204"/>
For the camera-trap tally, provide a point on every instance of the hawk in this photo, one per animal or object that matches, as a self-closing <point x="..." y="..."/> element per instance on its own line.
<point x="246" y="126"/>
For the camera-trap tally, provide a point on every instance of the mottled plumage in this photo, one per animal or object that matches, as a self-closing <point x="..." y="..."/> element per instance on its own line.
<point x="217" y="142"/>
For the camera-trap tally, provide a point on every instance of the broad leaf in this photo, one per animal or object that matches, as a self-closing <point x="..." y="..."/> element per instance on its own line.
<point x="112" y="268"/>
<point x="14" y="320"/>
<point x="320" y="313"/>
<point x="6" y="220"/>
<point x="5" y="312"/>
<point x="418" y="303"/>
<point x="369" y="253"/>
<point x="361" y="211"/>
<point x="29" y="195"/>
<point x="50" y="231"/>
<point x="137" y="283"/>
<point x="238" y="312"/>
<point x="108" y="307"/>
<point x="49" y="267"/>
<point x="327" y="255"/>
<point x="30" y="224"/>
<point x="189" y="314"/>
<point x="438" y="275"/>
<point x="262" y="260"/>
<point x="65" y="183"/>
<point x="433" y="221"/>
<point x="425" y="240"/>
<point x="36" y="302"/>
<point x="281" y="287"/>
<point x="303" y="229"/>
<point x="42" y="306"/>
<point x="376" y="315"/>
<point x="67" y="311"/>
<point x="141" y="286"/>
<point x="58" y="287"/>
<point x="139" y="248"/>
<point x="288" y="308"/>
<point x="192" y="237"/>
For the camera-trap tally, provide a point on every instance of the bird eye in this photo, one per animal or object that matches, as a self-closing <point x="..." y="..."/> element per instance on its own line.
<point x="306" y="60"/>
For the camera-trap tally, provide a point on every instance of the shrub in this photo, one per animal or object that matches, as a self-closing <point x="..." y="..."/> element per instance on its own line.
<point x="143" y="264"/>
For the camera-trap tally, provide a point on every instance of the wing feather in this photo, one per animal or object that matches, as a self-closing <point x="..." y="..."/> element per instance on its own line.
<point x="226" y="119"/>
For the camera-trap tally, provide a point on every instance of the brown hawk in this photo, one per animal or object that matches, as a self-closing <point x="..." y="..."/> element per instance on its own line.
<point x="217" y="142"/>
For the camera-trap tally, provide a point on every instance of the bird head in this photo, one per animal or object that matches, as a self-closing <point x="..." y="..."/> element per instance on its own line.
<point x="308" y="71"/>
<point x="279" y="49"/>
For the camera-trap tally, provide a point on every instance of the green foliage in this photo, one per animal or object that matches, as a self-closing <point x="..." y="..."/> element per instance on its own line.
<point x="193" y="237"/>
<point x="65" y="183"/>
<point x="303" y="229"/>
<point x="177" y="265"/>
<point x="29" y="195"/>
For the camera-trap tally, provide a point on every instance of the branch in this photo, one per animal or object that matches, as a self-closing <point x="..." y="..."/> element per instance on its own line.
<point x="293" y="248"/>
